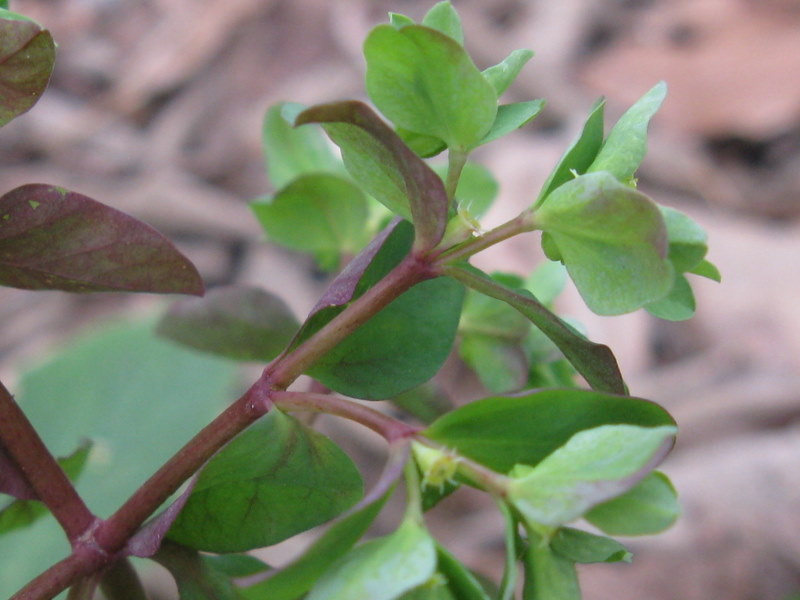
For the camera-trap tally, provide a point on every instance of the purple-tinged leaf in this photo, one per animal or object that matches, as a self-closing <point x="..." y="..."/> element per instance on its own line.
<point x="12" y="479"/>
<point x="54" y="239"/>
<point x="27" y="55"/>
<point x="424" y="191"/>
<point x="146" y="542"/>
<point x="240" y="322"/>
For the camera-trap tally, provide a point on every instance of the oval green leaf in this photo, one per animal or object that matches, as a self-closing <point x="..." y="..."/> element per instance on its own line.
<point x="613" y="241"/>
<point x="424" y="81"/>
<point x="503" y="74"/>
<point x="584" y="547"/>
<point x="500" y="432"/>
<point x="276" y="479"/>
<point x="239" y="322"/>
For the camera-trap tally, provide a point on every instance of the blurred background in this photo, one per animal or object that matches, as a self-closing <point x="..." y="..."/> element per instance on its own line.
<point x="155" y="108"/>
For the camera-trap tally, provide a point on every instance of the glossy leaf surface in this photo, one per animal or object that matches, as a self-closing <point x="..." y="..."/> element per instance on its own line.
<point x="27" y="56"/>
<point x="500" y="432"/>
<point x="424" y="81"/>
<point x="290" y="152"/>
<point x="650" y="507"/>
<point x="595" y="465"/>
<point x="626" y="144"/>
<point x="274" y="480"/>
<point x="54" y="239"/>
<point x="613" y="241"/>
<point x="386" y="168"/>
<point x="401" y="347"/>
<point x="240" y="322"/>
<point x="381" y="569"/>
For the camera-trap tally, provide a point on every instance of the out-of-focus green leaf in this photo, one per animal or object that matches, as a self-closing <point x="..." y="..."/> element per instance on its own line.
<point x="424" y="81"/>
<point x="708" y="270"/>
<point x="504" y="73"/>
<point x="650" y="507"/>
<point x="27" y="56"/>
<point x="511" y="117"/>
<point x="443" y="17"/>
<point x="274" y="480"/>
<point x="107" y="386"/>
<point x="317" y="213"/>
<point x="549" y="576"/>
<point x="677" y="305"/>
<point x="501" y="432"/>
<point x="381" y="569"/>
<point x="21" y="513"/>
<point x="397" y="20"/>
<point x="290" y="152"/>
<point x="54" y="239"/>
<point x="584" y="547"/>
<point x="240" y="322"/>
<point x="197" y="579"/>
<point x="626" y="144"/>
<point x="595" y="465"/>
<point x="613" y="241"/>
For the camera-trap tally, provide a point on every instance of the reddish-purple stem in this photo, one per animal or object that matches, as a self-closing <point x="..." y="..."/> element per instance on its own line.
<point x="42" y="471"/>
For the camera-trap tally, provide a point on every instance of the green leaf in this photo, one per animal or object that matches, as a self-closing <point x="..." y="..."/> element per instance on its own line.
<point x="240" y="322"/>
<point x="503" y="74"/>
<point x="298" y="577"/>
<point x="426" y="402"/>
<point x="687" y="240"/>
<point x="108" y="386"/>
<point x="424" y="81"/>
<point x="613" y="241"/>
<point x="595" y="465"/>
<point x="549" y="576"/>
<point x="594" y="361"/>
<point x="27" y="56"/>
<point x="317" y="213"/>
<point x="422" y="145"/>
<point x="290" y="152"/>
<point x="677" y="305"/>
<point x="381" y="569"/>
<point x="579" y="155"/>
<point x="626" y="144"/>
<point x="460" y="580"/>
<point x="235" y="565"/>
<point x="276" y="479"/>
<point x="54" y="239"/>
<point x="650" y="507"/>
<point x="401" y="347"/>
<point x="386" y="168"/>
<point x="398" y="20"/>
<point x="508" y="584"/>
<point x="24" y="512"/>
<point x="443" y="17"/>
<point x="708" y="270"/>
<point x="197" y="579"/>
<point x="4" y="4"/>
<point x="500" y="432"/>
<point x="547" y="281"/>
<point x="511" y="117"/>
<point x="584" y="547"/>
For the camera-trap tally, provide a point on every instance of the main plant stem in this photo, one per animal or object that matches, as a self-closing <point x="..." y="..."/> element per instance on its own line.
<point x="110" y="536"/>
<point x="41" y="470"/>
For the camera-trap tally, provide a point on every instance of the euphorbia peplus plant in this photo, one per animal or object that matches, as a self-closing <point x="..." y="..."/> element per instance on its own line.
<point x="547" y="450"/>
